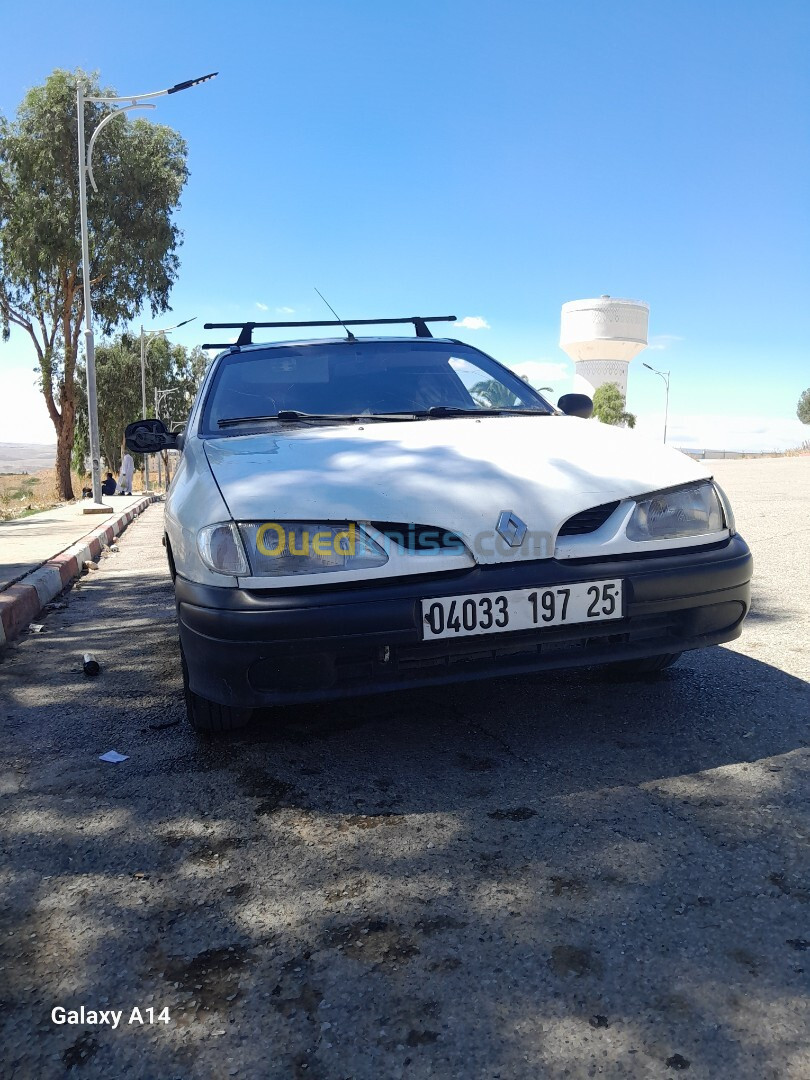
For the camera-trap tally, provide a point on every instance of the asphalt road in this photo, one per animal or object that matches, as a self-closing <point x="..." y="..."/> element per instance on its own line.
<point x="533" y="877"/>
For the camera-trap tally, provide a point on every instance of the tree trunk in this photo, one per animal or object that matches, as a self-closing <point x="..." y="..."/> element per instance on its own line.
<point x="67" y="427"/>
<point x="64" y="450"/>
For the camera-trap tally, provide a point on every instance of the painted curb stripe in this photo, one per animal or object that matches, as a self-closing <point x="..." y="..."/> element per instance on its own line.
<point x="21" y="603"/>
<point x="68" y="566"/>
<point x="47" y="581"/>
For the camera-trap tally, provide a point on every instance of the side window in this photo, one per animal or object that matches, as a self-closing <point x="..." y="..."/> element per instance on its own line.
<point x="486" y="391"/>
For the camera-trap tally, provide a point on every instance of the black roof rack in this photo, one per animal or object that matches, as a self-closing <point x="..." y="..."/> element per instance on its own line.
<point x="246" y="328"/>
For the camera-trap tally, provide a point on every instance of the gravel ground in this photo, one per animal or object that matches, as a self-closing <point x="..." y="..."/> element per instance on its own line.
<point x="533" y="877"/>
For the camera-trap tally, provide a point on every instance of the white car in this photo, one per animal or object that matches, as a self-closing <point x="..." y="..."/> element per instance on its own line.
<point x="356" y="515"/>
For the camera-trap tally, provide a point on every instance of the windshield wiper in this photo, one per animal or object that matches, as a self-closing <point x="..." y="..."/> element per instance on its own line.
<point x="286" y="416"/>
<point x="291" y="415"/>
<point x="454" y="410"/>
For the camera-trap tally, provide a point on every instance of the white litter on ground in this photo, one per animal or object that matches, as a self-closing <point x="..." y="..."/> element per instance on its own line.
<point x="113" y="755"/>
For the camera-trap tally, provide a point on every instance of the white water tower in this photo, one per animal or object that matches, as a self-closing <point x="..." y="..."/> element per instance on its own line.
<point x="602" y="337"/>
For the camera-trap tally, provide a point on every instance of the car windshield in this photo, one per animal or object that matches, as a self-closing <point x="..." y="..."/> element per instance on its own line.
<point x="360" y="379"/>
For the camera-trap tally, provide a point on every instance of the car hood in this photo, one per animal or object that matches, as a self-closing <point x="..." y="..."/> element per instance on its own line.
<point x="458" y="474"/>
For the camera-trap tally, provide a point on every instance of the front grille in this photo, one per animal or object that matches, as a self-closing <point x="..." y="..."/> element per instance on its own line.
<point x="533" y="644"/>
<point x="588" y="521"/>
<point x="414" y="537"/>
<point x="523" y="649"/>
<point x="348" y="668"/>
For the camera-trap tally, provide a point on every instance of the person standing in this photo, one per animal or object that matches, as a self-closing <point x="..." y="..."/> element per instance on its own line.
<point x="126" y="475"/>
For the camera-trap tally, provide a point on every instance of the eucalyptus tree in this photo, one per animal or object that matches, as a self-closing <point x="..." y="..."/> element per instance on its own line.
<point x="141" y="170"/>
<point x="118" y="382"/>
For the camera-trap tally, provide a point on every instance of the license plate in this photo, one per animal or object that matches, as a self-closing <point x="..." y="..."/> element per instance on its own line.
<point x="522" y="609"/>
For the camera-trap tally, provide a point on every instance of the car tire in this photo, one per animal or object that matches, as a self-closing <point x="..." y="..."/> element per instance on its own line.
<point x="209" y="717"/>
<point x="636" y="669"/>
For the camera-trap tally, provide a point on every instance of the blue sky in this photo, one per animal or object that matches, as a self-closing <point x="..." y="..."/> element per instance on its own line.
<point x="490" y="160"/>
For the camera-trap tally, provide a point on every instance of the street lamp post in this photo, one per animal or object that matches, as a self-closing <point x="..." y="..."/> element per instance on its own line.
<point x="665" y="376"/>
<point x="160" y="397"/>
<point x="136" y="101"/>
<point x="147" y="337"/>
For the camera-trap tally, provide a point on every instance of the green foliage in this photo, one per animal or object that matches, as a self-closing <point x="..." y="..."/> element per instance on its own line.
<point x="803" y="407"/>
<point x="118" y="381"/>
<point x="608" y="406"/>
<point x="141" y="170"/>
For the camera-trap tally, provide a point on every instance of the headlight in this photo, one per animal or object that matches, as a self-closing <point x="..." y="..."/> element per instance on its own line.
<point x="278" y="548"/>
<point x="221" y="549"/>
<point x="685" y="511"/>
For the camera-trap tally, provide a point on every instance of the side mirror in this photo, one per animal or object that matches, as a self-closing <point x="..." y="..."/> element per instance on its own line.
<point x="149" y="437"/>
<point x="576" y="405"/>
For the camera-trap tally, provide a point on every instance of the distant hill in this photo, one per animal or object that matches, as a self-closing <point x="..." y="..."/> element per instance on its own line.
<point x="26" y="457"/>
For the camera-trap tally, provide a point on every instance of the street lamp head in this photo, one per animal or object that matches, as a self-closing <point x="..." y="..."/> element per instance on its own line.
<point x="647" y="366"/>
<point x="191" y="82"/>
<point x="166" y="329"/>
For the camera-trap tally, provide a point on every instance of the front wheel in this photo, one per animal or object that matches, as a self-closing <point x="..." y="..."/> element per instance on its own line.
<point x="209" y="717"/>
<point x="647" y="665"/>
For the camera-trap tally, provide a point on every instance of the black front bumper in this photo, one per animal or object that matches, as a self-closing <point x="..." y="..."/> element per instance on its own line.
<point x="268" y="647"/>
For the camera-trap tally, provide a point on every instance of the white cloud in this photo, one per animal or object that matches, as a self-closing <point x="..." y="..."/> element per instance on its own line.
<point x="551" y="373"/>
<point x="699" y="431"/>
<point x="262" y="307"/>
<point x="285" y="311"/>
<point x="659" y="342"/>
<point x="473" y="322"/>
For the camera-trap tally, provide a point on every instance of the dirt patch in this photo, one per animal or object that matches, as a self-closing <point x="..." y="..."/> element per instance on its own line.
<point x="212" y="977"/>
<point x="520" y="813"/>
<point x="81" y="1051"/>
<point x="571" y="960"/>
<point x="368" y="821"/>
<point x="565" y="886"/>
<point x="787" y="888"/>
<point x="294" y="993"/>
<point x="447" y="963"/>
<point x="271" y="791"/>
<point x="211" y="851"/>
<point x="347" y="892"/>
<point x="379" y="944"/>
<point x="239" y="892"/>
<point x="429" y="927"/>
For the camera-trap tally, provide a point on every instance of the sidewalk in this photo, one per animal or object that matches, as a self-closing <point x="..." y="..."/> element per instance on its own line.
<point x="41" y="554"/>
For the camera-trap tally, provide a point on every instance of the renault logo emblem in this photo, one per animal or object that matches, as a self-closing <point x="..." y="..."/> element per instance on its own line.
<point x="511" y="528"/>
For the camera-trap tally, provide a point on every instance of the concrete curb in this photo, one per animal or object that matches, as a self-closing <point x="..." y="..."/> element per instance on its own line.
<point x="23" y="601"/>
